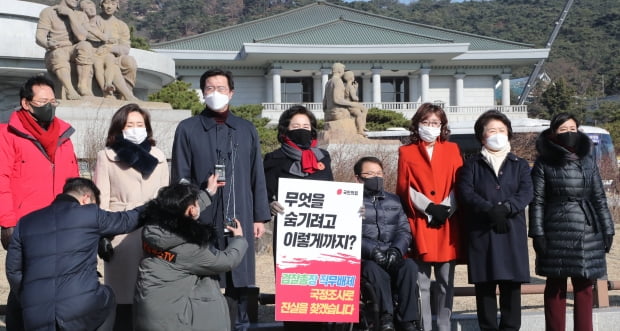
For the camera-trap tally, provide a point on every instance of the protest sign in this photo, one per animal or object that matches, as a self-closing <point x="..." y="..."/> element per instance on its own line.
<point x="318" y="251"/>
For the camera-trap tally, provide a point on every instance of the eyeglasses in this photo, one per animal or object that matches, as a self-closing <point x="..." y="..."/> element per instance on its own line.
<point x="39" y="103"/>
<point x="372" y="174"/>
<point x="221" y="89"/>
<point x="431" y="124"/>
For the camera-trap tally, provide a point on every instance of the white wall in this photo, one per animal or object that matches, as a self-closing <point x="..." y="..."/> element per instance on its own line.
<point x="478" y="90"/>
<point x="440" y="87"/>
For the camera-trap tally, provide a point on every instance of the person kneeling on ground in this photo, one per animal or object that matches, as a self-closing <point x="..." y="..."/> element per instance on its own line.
<point x="386" y="236"/>
<point x="178" y="286"/>
<point x="51" y="263"/>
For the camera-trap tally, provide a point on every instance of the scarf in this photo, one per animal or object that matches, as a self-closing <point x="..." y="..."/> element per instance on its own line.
<point x="47" y="138"/>
<point x="219" y="117"/>
<point x="305" y="161"/>
<point x="495" y="158"/>
<point x="135" y="156"/>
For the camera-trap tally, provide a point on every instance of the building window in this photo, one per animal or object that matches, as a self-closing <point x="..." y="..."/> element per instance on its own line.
<point x="297" y="89"/>
<point x="394" y="89"/>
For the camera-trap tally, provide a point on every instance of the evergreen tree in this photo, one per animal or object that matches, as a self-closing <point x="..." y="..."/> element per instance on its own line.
<point x="179" y="95"/>
<point x="558" y="98"/>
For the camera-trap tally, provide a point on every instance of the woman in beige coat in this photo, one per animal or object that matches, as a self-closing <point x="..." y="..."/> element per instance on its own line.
<point x="129" y="172"/>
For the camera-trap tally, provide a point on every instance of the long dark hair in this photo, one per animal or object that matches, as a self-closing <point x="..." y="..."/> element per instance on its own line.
<point x="424" y="111"/>
<point x="168" y="212"/>
<point x="119" y="120"/>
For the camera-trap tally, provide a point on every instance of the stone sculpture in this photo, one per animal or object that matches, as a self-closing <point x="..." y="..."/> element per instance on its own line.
<point x="81" y="43"/>
<point x="337" y="103"/>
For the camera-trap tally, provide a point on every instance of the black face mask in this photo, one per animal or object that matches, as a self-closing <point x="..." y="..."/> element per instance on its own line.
<point x="301" y="137"/>
<point x="44" y="113"/>
<point x="568" y="139"/>
<point x="373" y="184"/>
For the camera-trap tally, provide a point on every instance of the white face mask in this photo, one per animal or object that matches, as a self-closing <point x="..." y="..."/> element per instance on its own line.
<point x="496" y="142"/>
<point x="428" y="133"/>
<point x="135" y="135"/>
<point x="216" y="100"/>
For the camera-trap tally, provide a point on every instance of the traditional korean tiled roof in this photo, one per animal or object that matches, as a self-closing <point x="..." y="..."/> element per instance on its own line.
<point x="324" y="23"/>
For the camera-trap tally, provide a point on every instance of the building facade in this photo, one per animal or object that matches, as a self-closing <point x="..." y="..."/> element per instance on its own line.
<point x="286" y="59"/>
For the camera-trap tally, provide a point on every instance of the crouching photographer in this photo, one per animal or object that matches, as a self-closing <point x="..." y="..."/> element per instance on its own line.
<point x="182" y="264"/>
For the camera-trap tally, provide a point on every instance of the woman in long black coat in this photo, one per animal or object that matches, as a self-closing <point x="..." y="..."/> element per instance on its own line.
<point x="494" y="187"/>
<point x="569" y="221"/>
<point x="299" y="158"/>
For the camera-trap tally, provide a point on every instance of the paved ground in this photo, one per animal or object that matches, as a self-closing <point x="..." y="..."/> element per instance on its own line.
<point x="463" y="306"/>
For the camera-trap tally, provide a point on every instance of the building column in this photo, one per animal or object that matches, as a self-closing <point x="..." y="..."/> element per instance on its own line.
<point x="425" y="84"/>
<point x="376" y="85"/>
<point x="413" y="87"/>
<point x="276" y="83"/>
<point x="317" y="89"/>
<point x="505" y="89"/>
<point x="324" y="79"/>
<point x="367" y="87"/>
<point x="458" y="80"/>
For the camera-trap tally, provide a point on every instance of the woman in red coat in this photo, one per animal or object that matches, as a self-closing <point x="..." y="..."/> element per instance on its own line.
<point x="426" y="173"/>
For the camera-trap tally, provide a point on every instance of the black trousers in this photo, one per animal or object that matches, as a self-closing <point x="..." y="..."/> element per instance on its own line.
<point x="509" y="305"/>
<point x="400" y="285"/>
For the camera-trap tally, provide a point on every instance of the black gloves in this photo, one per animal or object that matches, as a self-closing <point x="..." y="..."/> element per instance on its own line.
<point x="540" y="246"/>
<point x="498" y="216"/>
<point x="609" y="239"/>
<point x="6" y="235"/>
<point x="439" y="214"/>
<point x="394" y="258"/>
<point x="379" y="257"/>
<point x="105" y="249"/>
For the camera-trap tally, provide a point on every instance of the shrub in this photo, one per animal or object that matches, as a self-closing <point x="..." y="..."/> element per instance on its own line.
<point x="268" y="136"/>
<point x="381" y="119"/>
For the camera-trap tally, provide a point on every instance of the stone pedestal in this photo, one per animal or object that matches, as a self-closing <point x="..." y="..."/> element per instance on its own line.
<point x="341" y="131"/>
<point x="91" y="117"/>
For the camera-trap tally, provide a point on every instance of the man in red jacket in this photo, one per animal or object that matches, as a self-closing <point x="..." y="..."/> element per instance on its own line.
<point x="36" y="158"/>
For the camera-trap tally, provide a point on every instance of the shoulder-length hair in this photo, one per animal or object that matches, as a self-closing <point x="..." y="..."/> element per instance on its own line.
<point x="287" y="115"/>
<point x="425" y="110"/>
<point x="119" y="120"/>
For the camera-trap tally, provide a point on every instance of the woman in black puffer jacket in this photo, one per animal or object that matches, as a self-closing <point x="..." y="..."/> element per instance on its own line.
<point x="569" y="221"/>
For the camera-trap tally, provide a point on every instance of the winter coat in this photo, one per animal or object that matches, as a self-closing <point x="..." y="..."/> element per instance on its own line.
<point x="277" y="166"/>
<point x="51" y="264"/>
<point x="123" y="188"/>
<point x="28" y="179"/>
<point x="493" y="256"/>
<point x="384" y="225"/>
<point x="199" y="144"/>
<point x="570" y="210"/>
<point x="434" y="179"/>
<point x="177" y="285"/>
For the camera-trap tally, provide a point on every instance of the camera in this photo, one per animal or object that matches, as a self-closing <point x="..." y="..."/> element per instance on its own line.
<point x="220" y="170"/>
<point x="230" y="222"/>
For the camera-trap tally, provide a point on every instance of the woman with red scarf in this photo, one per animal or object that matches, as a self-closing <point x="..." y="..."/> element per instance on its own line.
<point x="298" y="157"/>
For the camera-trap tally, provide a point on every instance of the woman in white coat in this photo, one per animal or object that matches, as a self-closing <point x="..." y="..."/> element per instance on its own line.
<point x="129" y="172"/>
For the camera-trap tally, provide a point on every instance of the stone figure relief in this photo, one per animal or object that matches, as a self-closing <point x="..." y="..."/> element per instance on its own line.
<point x="341" y="101"/>
<point x="77" y="39"/>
